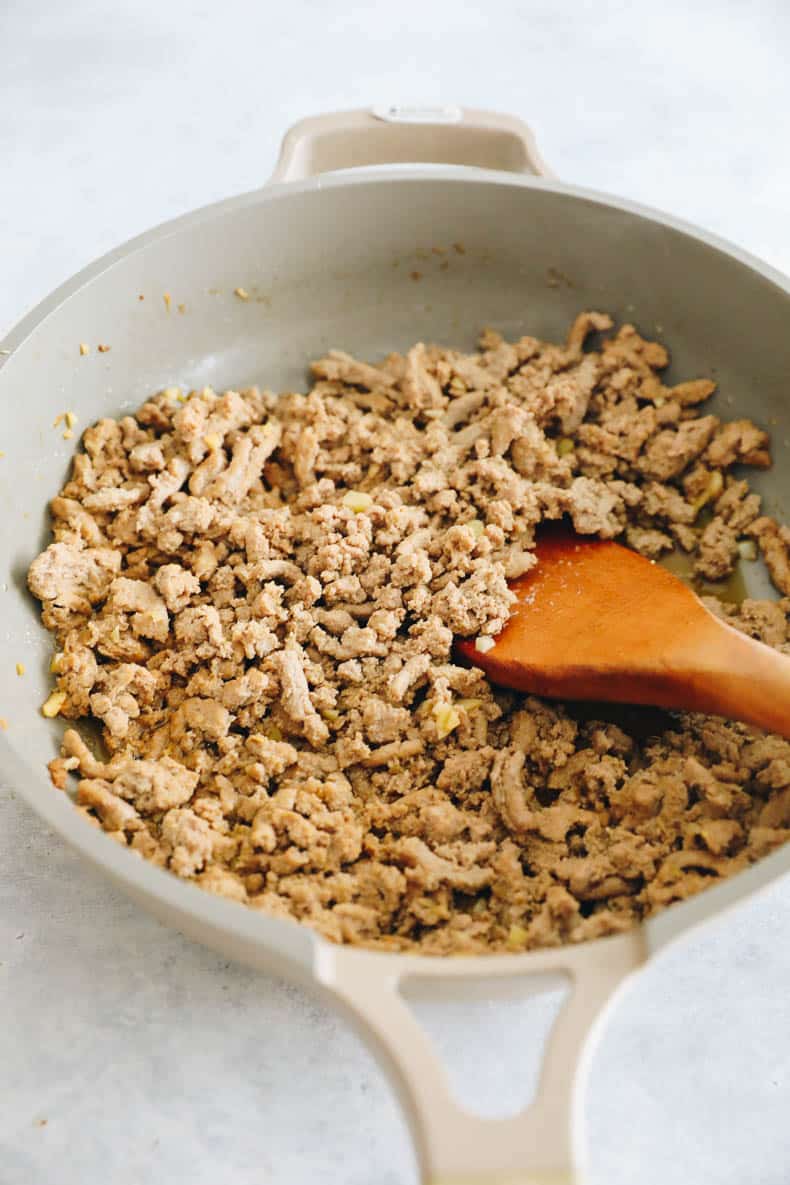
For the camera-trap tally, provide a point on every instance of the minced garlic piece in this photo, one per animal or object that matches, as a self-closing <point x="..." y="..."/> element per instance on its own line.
<point x="476" y="526"/>
<point x="54" y="666"/>
<point x="564" y="446"/>
<point x="446" y="718"/>
<point x="747" y="549"/>
<point x="242" y="293"/>
<point x="84" y="348"/>
<point x="712" y="490"/>
<point x="516" y="938"/>
<point x="167" y="298"/>
<point x="53" y="705"/>
<point x="468" y="705"/>
<point x="68" y="434"/>
<point x="212" y="441"/>
<point x="483" y="644"/>
<point x="71" y="419"/>
<point x="20" y="668"/>
<point x="172" y="392"/>
<point x="357" y="500"/>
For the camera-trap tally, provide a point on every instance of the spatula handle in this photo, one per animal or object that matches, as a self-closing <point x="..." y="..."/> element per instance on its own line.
<point x="730" y="674"/>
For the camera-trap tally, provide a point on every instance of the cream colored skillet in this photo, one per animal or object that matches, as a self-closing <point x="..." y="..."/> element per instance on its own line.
<point x="373" y="260"/>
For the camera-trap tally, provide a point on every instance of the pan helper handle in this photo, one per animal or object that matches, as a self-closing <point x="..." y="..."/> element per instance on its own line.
<point x="539" y="1146"/>
<point x="407" y="135"/>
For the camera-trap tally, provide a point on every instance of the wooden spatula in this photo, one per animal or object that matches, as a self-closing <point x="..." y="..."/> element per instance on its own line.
<point x="596" y="621"/>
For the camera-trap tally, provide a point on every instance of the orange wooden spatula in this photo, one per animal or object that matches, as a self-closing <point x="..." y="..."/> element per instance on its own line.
<point x="596" y="621"/>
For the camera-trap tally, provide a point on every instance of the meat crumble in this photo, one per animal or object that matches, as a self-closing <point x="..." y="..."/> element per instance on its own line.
<point x="256" y="596"/>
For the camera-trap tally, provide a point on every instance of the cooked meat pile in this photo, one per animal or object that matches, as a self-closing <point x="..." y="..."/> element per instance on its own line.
<point x="257" y="596"/>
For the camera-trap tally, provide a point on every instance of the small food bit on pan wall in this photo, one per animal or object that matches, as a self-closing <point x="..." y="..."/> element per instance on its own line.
<point x="256" y="596"/>
<point x="70" y="419"/>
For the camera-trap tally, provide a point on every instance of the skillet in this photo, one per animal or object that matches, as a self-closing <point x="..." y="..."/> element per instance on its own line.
<point x="331" y="257"/>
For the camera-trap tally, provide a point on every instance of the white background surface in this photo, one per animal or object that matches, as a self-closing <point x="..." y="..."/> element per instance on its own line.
<point x="153" y="1062"/>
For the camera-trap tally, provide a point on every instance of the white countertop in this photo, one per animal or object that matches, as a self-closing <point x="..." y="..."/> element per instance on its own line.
<point x="129" y="1056"/>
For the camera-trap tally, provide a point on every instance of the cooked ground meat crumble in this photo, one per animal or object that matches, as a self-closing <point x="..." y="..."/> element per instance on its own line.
<point x="257" y="596"/>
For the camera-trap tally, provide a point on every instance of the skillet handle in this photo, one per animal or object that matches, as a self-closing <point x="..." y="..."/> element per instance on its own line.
<point x="400" y="135"/>
<point x="537" y="1146"/>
